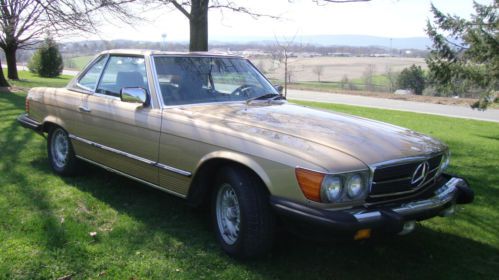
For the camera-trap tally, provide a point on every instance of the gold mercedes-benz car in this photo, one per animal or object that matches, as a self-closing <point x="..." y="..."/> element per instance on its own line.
<point x="213" y="130"/>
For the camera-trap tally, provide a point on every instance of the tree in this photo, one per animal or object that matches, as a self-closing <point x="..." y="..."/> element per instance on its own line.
<point x="412" y="78"/>
<point x="24" y="22"/>
<point x="368" y="77"/>
<point x="392" y="77"/>
<point x="318" y="70"/>
<point x="465" y="53"/>
<point x="282" y="53"/>
<point x="196" y="12"/>
<point x="47" y="60"/>
<point x="344" y="82"/>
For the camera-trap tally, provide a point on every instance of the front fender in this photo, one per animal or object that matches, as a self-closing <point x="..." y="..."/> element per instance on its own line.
<point x="208" y="165"/>
<point x="238" y="158"/>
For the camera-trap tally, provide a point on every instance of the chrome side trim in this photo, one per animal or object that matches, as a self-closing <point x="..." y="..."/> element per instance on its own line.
<point x="132" y="156"/>
<point x="144" y="160"/>
<point x="131" y="177"/>
<point x="443" y="195"/>
<point x="173" y="169"/>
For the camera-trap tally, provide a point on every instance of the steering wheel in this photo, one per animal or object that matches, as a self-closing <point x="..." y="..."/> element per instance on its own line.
<point x="242" y="89"/>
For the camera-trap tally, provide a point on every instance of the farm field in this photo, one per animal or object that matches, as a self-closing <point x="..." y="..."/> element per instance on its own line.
<point x="335" y="68"/>
<point x="142" y="233"/>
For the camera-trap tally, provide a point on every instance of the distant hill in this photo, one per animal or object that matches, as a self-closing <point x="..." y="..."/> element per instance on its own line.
<point x="341" y="40"/>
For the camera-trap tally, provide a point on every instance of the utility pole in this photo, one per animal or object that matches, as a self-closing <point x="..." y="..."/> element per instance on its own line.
<point x="163" y="37"/>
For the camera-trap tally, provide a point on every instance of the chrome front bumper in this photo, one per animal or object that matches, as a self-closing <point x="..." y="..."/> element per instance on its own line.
<point x="395" y="218"/>
<point x="445" y="194"/>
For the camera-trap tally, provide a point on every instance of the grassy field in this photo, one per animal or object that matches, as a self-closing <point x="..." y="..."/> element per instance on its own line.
<point x="78" y="62"/>
<point x="29" y="80"/>
<point x="142" y="233"/>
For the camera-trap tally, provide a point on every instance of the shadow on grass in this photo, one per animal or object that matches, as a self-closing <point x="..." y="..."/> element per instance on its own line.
<point x="426" y="253"/>
<point x="14" y="142"/>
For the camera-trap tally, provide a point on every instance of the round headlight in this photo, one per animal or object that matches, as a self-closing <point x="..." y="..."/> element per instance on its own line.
<point x="355" y="186"/>
<point x="332" y="188"/>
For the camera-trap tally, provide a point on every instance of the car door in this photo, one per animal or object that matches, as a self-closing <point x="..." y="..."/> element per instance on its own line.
<point x="116" y="134"/>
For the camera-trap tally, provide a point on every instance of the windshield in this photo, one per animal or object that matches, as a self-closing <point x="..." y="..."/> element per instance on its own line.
<point x="191" y="80"/>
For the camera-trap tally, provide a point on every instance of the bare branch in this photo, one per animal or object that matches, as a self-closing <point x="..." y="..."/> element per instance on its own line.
<point x="229" y="5"/>
<point x="180" y="7"/>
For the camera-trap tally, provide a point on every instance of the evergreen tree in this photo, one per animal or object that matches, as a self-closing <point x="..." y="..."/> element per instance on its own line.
<point x="465" y="53"/>
<point x="412" y="78"/>
<point x="47" y="60"/>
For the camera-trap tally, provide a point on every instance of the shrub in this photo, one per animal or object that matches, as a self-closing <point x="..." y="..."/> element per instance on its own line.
<point x="412" y="78"/>
<point x="47" y="60"/>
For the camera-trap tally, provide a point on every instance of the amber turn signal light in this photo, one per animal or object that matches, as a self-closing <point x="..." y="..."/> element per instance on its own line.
<point x="310" y="183"/>
<point x="362" y="234"/>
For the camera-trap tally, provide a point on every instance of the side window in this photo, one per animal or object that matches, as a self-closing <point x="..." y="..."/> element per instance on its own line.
<point x="121" y="72"/>
<point x="91" y="77"/>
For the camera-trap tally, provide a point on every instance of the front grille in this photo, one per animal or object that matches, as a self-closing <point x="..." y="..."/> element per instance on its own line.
<point x="395" y="180"/>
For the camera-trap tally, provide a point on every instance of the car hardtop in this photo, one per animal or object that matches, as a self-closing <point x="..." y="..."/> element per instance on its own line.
<point x="145" y="52"/>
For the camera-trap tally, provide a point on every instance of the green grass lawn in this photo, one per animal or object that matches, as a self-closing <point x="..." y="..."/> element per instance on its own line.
<point x="142" y="233"/>
<point x="78" y="62"/>
<point x="29" y="80"/>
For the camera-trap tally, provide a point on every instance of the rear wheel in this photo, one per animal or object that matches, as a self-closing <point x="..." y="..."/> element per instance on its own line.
<point x="241" y="213"/>
<point x="60" y="152"/>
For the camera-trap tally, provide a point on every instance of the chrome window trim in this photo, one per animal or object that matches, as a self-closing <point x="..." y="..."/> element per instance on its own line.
<point x="106" y="96"/>
<point x="181" y="106"/>
<point x="159" y="94"/>
<point x="132" y="156"/>
<point x="131" y="177"/>
<point x="90" y="65"/>
<point x="83" y="89"/>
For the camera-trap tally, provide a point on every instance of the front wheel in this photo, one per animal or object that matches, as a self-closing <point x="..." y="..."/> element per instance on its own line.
<point x="60" y="152"/>
<point x="242" y="217"/>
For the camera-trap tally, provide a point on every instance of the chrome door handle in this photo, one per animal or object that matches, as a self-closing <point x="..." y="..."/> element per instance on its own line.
<point x="84" y="109"/>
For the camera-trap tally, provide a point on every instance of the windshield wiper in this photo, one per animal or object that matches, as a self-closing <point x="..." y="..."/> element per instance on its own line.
<point x="267" y="96"/>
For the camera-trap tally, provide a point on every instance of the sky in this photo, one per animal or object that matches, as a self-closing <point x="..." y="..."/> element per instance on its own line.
<point x="385" y="18"/>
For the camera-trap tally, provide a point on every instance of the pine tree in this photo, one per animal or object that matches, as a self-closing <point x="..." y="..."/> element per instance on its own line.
<point x="47" y="60"/>
<point x="465" y="53"/>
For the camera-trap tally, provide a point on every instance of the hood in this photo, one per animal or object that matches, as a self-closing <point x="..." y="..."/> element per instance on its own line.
<point x="368" y="141"/>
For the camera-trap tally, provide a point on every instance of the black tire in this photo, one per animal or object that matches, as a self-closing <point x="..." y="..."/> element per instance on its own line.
<point x="63" y="161"/>
<point x="256" y="219"/>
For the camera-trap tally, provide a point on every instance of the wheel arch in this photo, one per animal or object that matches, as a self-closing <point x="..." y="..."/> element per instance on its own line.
<point x="203" y="178"/>
<point x="51" y="121"/>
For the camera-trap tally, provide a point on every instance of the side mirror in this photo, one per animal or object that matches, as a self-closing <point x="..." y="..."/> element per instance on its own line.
<point x="279" y="88"/>
<point x="134" y="95"/>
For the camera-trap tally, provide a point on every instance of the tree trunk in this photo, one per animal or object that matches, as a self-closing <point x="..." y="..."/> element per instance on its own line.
<point x="10" y="56"/>
<point x="3" y="81"/>
<point x="198" y="22"/>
